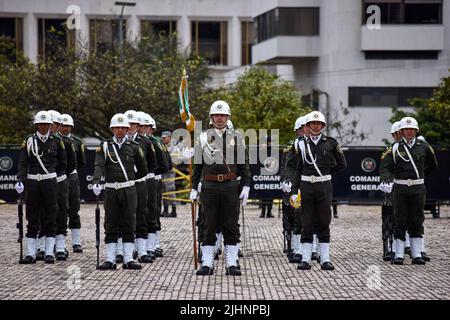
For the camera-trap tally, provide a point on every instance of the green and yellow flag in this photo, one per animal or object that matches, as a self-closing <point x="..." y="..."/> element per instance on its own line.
<point x="183" y="103"/>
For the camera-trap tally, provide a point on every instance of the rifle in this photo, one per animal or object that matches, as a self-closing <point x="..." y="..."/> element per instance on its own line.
<point x="387" y="226"/>
<point x="19" y="226"/>
<point x="97" y="231"/>
<point x="287" y="228"/>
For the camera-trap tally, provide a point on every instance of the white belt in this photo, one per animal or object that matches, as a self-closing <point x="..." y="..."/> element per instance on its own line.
<point x="158" y="177"/>
<point x="73" y="172"/>
<point x="61" y="178"/>
<point x="314" y="179"/>
<point x="39" y="177"/>
<point x="410" y="182"/>
<point x="151" y="176"/>
<point x="141" y="179"/>
<point x="119" y="185"/>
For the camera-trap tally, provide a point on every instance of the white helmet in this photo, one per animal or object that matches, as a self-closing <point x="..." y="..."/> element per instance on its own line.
<point x="56" y="116"/>
<point x="67" y="120"/>
<point x="220" y="107"/>
<point x="152" y="122"/>
<point x="394" y="127"/>
<point x="144" y="119"/>
<point x="230" y="124"/>
<point x="300" y="122"/>
<point x="315" y="116"/>
<point x="408" y="122"/>
<point x="119" y="120"/>
<point x="43" y="117"/>
<point x="132" y="116"/>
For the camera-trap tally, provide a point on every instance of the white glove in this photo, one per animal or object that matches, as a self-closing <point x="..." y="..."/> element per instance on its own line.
<point x="97" y="189"/>
<point x="19" y="187"/>
<point x="389" y="187"/>
<point x="188" y="153"/>
<point x="193" y="195"/>
<point x="199" y="187"/>
<point x="244" y="195"/>
<point x="286" y="186"/>
<point x="385" y="187"/>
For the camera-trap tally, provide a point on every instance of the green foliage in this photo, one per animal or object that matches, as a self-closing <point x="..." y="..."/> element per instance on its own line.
<point x="432" y="114"/>
<point x="93" y="86"/>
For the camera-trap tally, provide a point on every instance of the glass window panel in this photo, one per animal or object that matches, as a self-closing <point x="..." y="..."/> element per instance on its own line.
<point x="209" y="40"/>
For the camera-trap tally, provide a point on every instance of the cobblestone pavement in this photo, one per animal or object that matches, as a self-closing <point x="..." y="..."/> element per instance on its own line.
<point x="355" y="250"/>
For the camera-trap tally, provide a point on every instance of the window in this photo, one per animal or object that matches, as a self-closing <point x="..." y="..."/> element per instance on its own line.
<point x="105" y="34"/>
<point x="209" y="40"/>
<point x="386" y="96"/>
<point x="163" y="28"/>
<point x="11" y="32"/>
<point x="401" y="55"/>
<point x="288" y="22"/>
<point x="52" y="35"/>
<point x="247" y="28"/>
<point x="406" y="11"/>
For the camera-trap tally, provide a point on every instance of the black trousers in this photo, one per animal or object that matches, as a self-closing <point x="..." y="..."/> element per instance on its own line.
<point x="41" y="207"/>
<point x="316" y="211"/>
<point x="63" y="207"/>
<point x="142" y="214"/>
<point x="74" y="201"/>
<point x="153" y="214"/>
<point x="409" y="203"/>
<point x="120" y="214"/>
<point x="220" y="206"/>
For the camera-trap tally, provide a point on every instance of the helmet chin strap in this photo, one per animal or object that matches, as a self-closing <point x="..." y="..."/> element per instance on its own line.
<point x="216" y="126"/>
<point x="315" y="133"/>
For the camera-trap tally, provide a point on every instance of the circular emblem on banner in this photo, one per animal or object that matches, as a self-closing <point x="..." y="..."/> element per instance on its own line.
<point x="6" y="163"/>
<point x="271" y="164"/>
<point x="368" y="164"/>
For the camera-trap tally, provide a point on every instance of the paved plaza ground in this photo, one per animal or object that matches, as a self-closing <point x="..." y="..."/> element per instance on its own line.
<point x="356" y="251"/>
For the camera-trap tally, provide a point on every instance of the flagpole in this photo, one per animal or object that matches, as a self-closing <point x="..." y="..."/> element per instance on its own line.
<point x="193" y="204"/>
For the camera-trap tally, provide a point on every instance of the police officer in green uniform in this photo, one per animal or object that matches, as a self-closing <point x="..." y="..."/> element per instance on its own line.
<point x="116" y="160"/>
<point x="42" y="158"/>
<point x="145" y="129"/>
<point x="74" y="182"/>
<point x="292" y="221"/>
<point x="407" y="163"/>
<point x="220" y="157"/>
<point x="164" y="165"/>
<point x="142" y="214"/>
<point x="63" y="187"/>
<point x="321" y="156"/>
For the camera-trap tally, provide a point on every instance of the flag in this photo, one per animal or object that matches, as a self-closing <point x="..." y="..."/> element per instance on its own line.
<point x="183" y="103"/>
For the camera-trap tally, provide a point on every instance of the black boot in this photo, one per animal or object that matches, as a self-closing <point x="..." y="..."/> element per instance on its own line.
<point x="165" y="212"/>
<point x="263" y="211"/>
<point x="327" y="265"/>
<point x="145" y="259"/>
<point x="49" y="259"/>
<point x="297" y="258"/>
<point x="107" y="265"/>
<point x="233" y="271"/>
<point x="61" y="256"/>
<point x="173" y="213"/>
<point x="27" y="260"/>
<point x="77" y="248"/>
<point x="418" y="260"/>
<point x="205" y="271"/>
<point x="40" y="256"/>
<point x="304" y="266"/>
<point x="425" y="257"/>
<point x="119" y="258"/>
<point x="398" y="261"/>
<point x="269" y="211"/>
<point x="132" y="265"/>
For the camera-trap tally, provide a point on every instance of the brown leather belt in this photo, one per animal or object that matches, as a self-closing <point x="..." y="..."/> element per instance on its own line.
<point x="220" y="177"/>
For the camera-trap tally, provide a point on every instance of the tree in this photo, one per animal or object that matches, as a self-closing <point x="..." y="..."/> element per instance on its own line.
<point x="432" y="114"/>
<point x="94" y="85"/>
<point x="344" y="128"/>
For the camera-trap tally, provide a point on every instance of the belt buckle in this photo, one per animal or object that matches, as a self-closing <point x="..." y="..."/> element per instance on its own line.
<point x="220" y="177"/>
<point x="313" y="179"/>
<point x="116" y="185"/>
<point x="39" y="177"/>
<point x="409" y="182"/>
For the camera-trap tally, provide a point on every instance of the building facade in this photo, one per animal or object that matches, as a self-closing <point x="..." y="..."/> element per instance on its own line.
<point x="364" y="55"/>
